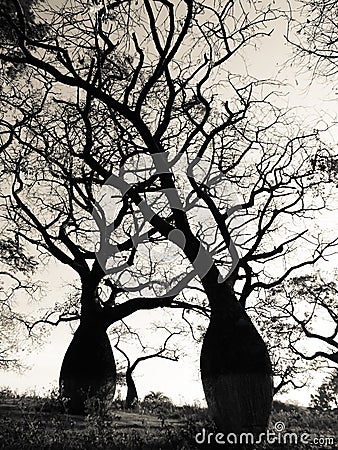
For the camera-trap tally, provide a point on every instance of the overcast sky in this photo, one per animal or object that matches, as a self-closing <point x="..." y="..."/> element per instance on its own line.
<point x="180" y="380"/>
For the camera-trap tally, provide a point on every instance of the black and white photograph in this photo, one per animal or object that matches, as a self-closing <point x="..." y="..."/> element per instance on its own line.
<point x="168" y="224"/>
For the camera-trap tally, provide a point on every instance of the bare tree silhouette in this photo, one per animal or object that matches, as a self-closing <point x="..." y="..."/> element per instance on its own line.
<point x="128" y="132"/>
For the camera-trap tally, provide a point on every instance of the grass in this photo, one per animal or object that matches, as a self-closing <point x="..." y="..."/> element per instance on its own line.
<point x="32" y="422"/>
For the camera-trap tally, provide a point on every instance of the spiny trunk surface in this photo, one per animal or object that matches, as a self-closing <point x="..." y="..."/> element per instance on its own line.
<point x="236" y="370"/>
<point x="88" y="369"/>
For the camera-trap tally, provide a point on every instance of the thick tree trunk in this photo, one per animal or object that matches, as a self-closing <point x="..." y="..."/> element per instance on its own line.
<point x="132" y="397"/>
<point x="235" y="368"/>
<point x="88" y="369"/>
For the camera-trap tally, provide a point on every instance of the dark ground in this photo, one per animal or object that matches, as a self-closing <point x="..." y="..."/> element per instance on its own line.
<point x="36" y="423"/>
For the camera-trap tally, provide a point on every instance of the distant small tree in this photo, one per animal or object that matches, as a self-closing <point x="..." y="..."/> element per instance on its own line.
<point x="157" y="401"/>
<point x="165" y="353"/>
<point x="326" y="397"/>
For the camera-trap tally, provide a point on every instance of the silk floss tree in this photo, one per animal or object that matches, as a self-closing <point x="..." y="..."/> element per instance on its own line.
<point x="132" y="133"/>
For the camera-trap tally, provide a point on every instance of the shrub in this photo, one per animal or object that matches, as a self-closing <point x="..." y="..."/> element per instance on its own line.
<point x="326" y="397"/>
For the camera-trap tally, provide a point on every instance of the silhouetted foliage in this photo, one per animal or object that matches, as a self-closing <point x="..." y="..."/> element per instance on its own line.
<point x="326" y="397"/>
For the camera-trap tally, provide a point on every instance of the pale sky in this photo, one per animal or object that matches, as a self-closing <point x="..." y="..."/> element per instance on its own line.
<point x="180" y="380"/>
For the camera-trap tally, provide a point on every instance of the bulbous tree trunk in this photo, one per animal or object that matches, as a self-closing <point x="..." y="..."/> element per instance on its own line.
<point x="132" y="397"/>
<point x="88" y="369"/>
<point x="235" y="368"/>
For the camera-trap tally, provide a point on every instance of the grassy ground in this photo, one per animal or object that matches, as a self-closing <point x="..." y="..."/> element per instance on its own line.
<point x="35" y="423"/>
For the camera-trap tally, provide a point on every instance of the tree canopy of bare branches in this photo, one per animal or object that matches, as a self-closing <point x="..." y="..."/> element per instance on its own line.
<point x="131" y="150"/>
